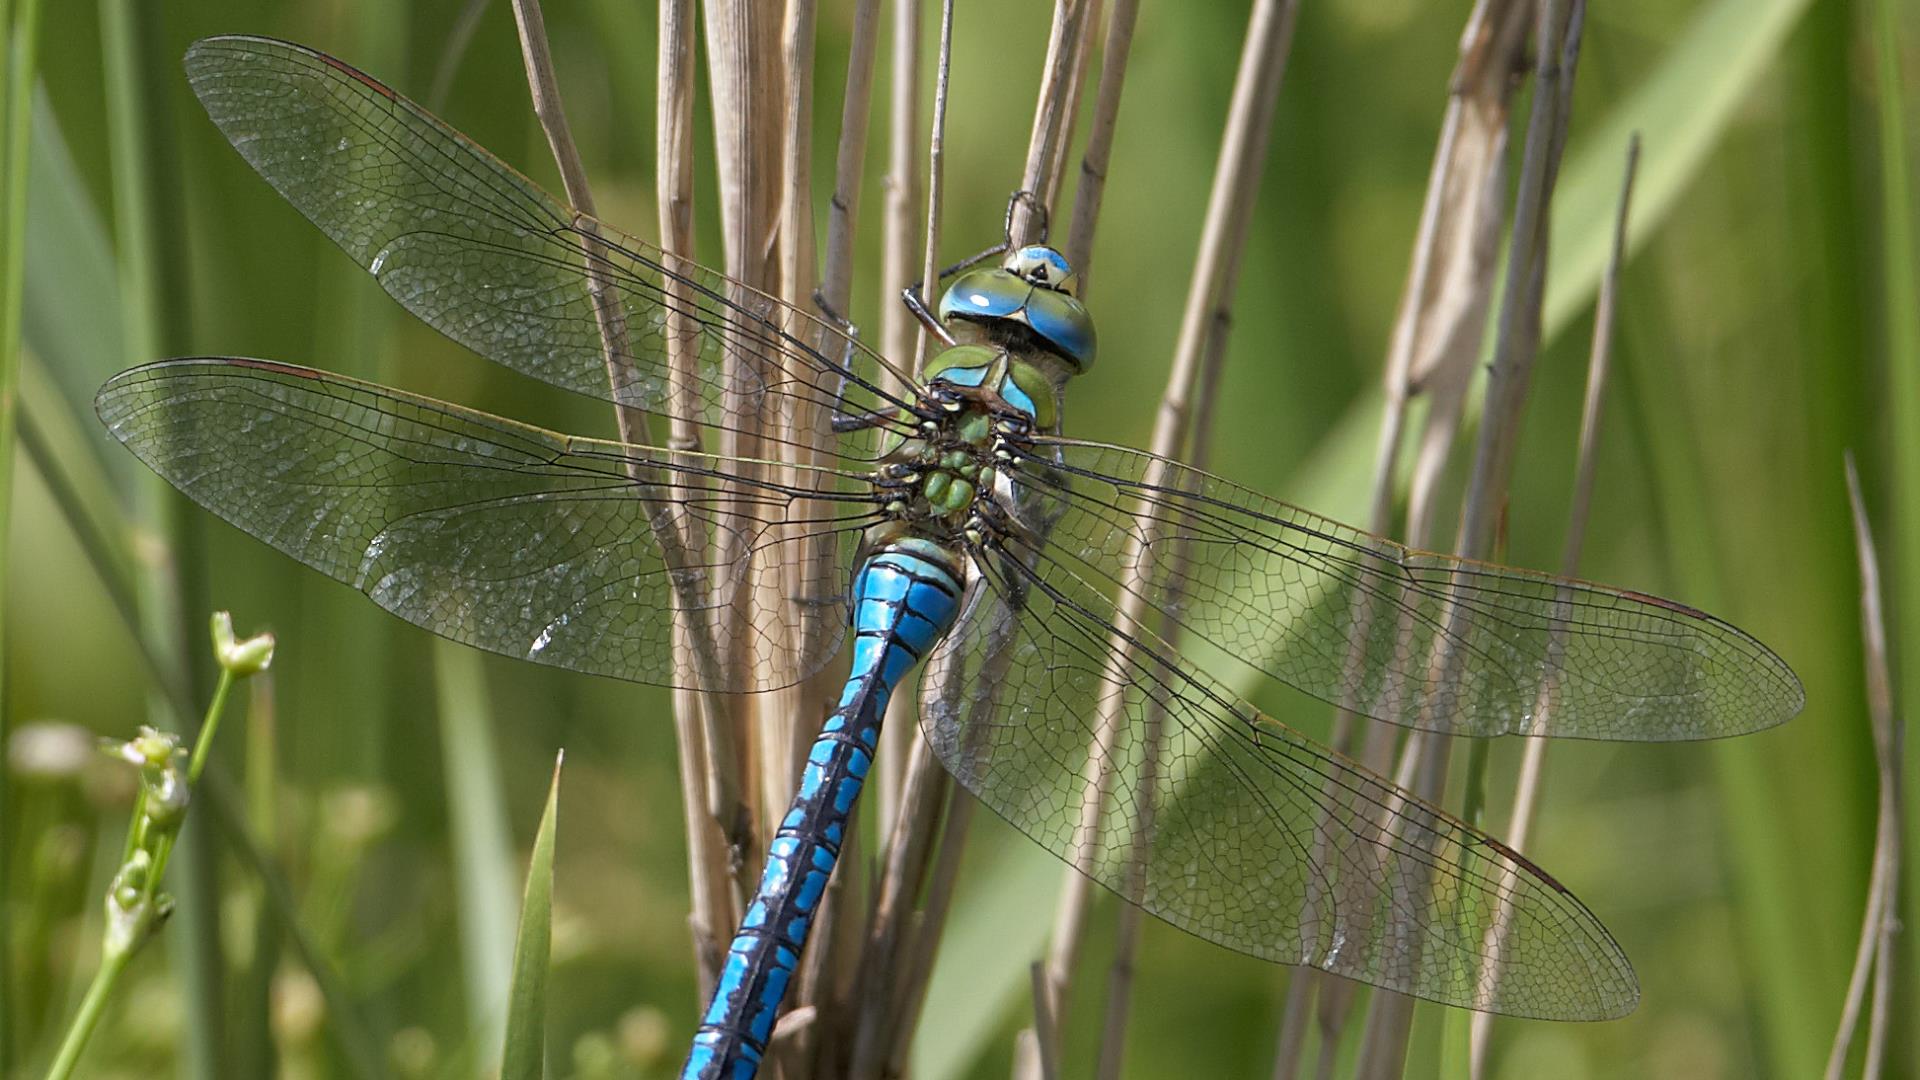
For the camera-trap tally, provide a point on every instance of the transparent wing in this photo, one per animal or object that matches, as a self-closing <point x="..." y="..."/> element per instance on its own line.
<point x="1234" y="828"/>
<point x="1411" y="637"/>
<point x="571" y="552"/>
<point x="478" y="252"/>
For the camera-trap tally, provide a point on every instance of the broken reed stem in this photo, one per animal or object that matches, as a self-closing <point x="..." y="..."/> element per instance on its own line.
<point x="898" y="330"/>
<point x="1243" y="152"/>
<point x="1533" y="759"/>
<point x="1436" y="340"/>
<point x="1098" y="155"/>
<point x="1424" y="760"/>
<point x="1881" y="921"/>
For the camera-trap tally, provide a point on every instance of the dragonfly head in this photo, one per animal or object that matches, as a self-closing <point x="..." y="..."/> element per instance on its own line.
<point x="1026" y="300"/>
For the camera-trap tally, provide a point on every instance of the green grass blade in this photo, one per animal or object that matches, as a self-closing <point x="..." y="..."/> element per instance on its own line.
<point x="1901" y="285"/>
<point x="525" y="1049"/>
<point x="982" y="970"/>
<point x="482" y="850"/>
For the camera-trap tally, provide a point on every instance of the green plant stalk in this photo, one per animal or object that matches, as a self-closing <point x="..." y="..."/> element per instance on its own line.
<point x="22" y="49"/>
<point x="118" y="950"/>
<point x="1902" y="283"/>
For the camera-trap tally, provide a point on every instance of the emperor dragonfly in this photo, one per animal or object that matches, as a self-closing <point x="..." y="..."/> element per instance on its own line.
<point x="944" y="517"/>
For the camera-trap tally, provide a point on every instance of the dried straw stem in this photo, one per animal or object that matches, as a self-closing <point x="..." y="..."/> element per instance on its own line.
<point x="1096" y="158"/>
<point x="1424" y="759"/>
<point x="1436" y="340"/>
<point x="1526" y="795"/>
<point x="708" y="795"/>
<point x="745" y="81"/>
<point x="888" y="989"/>
<point x="1881" y="921"/>
<point x="843" y="210"/>
<point x="716" y="898"/>
<point x="898" y="331"/>
<point x="1053" y="119"/>
<point x="1243" y="152"/>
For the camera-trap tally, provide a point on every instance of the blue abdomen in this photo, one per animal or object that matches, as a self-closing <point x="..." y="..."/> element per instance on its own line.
<point x="904" y="599"/>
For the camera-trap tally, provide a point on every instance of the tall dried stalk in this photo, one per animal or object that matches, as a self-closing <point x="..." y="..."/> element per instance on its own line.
<point x="1096" y="158"/>
<point x="1516" y="346"/>
<point x="707" y="768"/>
<point x="745" y="81"/>
<point x="1436" y="340"/>
<point x="900" y="338"/>
<point x="1533" y="760"/>
<point x="1242" y="156"/>
<point x="1881" y="922"/>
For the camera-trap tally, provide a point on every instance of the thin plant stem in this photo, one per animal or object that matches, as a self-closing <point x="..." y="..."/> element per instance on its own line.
<point x="459" y="38"/>
<point x="1097" y="157"/>
<point x="898" y="330"/>
<point x="715" y="891"/>
<point x="1243" y="152"/>
<point x="119" y="950"/>
<point x="843" y="209"/>
<point x="1423" y="762"/>
<point x="1878" y="926"/>
<point x="1435" y="341"/>
<point x="92" y="1007"/>
<point x="1053" y="120"/>
<point x="22" y="60"/>
<point x="1186" y="410"/>
<point x="1533" y="759"/>
<point x="745" y="78"/>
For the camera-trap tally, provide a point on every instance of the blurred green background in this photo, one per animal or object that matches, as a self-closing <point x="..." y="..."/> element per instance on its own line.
<point x="1753" y="348"/>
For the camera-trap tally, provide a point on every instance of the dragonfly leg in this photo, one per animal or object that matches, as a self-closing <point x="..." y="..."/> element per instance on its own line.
<point x="911" y="294"/>
<point x="845" y="420"/>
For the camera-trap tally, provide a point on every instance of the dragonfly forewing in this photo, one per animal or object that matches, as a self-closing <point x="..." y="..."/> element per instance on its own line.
<point x="479" y="252"/>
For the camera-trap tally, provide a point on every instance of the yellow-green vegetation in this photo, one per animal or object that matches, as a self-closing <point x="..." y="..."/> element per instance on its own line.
<point x="344" y="902"/>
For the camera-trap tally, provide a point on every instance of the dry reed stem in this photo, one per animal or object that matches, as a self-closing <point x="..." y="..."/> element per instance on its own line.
<point x="1082" y="57"/>
<point x="1881" y="921"/>
<point x="1098" y="155"/>
<point x="843" y="210"/>
<point x="716" y="900"/>
<point x="844" y="916"/>
<point x="1435" y="341"/>
<point x="1053" y="119"/>
<point x="898" y="330"/>
<point x="1243" y="151"/>
<point x="745" y="78"/>
<point x="1533" y="759"/>
<point x="789" y="718"/>
<point x="1424" y="760"/>
<point x="718" y="799"/>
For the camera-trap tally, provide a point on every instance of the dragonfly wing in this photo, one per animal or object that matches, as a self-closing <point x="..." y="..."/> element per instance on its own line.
<point x="1233" y="827"/>
<point x="480" y="253"/>
<point x="1410" y="637"/>
<point x="501" y="535"/>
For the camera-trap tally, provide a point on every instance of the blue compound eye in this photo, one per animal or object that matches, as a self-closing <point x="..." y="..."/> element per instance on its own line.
<point x="1041" y="265"/>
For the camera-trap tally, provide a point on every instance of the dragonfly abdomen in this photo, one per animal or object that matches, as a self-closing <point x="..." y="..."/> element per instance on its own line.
<point x="905" y="598"/>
